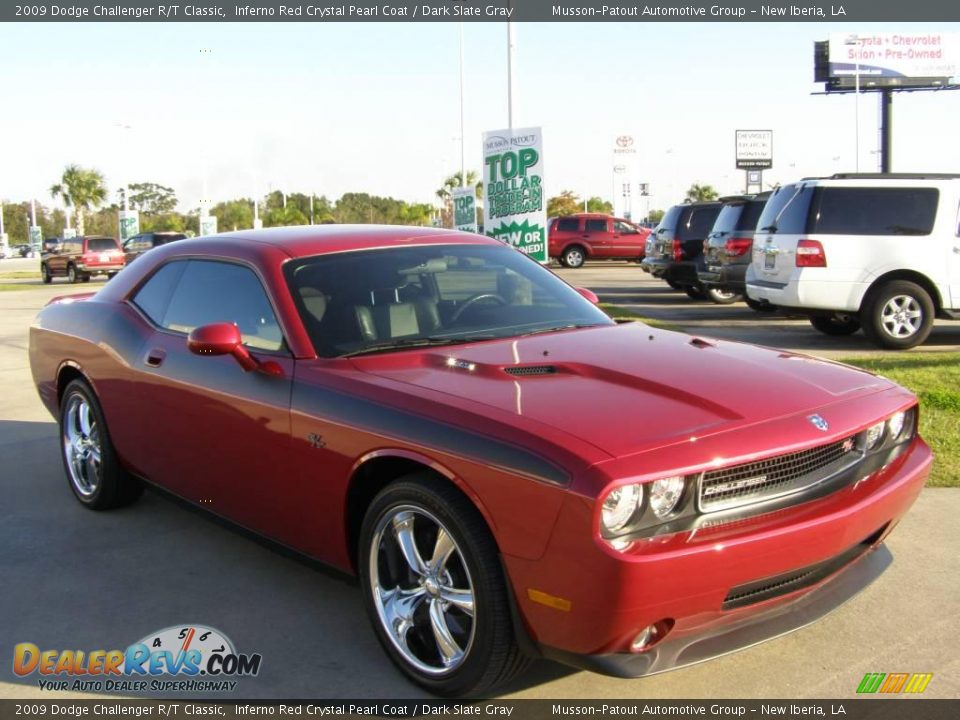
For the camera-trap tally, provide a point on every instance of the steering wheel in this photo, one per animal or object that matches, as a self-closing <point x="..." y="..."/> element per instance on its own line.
<point x="473" y="300"/>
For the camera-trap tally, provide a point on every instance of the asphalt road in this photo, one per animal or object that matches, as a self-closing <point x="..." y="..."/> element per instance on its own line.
<point x="76" y="579"/>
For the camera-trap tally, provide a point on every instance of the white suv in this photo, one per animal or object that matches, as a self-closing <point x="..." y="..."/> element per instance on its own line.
<point x="881" y="252"/>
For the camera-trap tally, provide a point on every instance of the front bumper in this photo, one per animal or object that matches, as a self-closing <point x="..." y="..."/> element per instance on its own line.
<point x="687" y="578"/>
<point x="723" y="639"/>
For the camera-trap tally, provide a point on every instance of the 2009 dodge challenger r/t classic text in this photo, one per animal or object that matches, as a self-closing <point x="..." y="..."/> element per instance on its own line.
<point x="508" y="471"/>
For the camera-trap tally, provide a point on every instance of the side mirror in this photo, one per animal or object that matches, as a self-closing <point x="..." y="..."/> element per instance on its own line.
<point x="221" y="339"/>
<point x="588" y="294"/>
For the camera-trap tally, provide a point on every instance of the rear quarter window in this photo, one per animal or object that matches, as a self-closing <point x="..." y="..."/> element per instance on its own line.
<point x="874" y="211"/>
<point x="567" y="225"/>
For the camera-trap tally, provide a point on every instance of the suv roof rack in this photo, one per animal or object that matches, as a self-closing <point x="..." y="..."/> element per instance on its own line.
<point x="888" y="176"/>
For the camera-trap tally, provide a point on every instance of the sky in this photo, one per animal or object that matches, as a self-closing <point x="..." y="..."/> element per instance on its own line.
<point x="335" y="108"/>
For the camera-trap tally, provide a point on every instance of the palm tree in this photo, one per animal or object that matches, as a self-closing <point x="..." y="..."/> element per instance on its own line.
<point x="698" y="193"/>
<point x="82" y="189"/>
<point x="453" y="182"/>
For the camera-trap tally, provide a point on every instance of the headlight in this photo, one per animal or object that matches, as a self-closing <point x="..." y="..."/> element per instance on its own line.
<point x="620" y="506"/>
<point x="874" y="435"/>
<point x="896" y="423"/>
<point x="665" y="494"/>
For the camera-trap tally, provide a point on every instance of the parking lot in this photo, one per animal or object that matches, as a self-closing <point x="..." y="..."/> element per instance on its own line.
<point x="82" y="580"/>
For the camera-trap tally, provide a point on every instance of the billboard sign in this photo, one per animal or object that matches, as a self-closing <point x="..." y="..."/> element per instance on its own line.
<point x="907" y="59"/>
<point x="208" y="225"/>
<point x="754" y="149"/>
<point x="465" y="209"/>
<point x="515" y="210"/>
<point x="129" y="224"/>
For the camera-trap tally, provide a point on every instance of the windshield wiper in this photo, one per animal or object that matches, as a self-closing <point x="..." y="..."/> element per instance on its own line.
<point x="407" y="343"/>
<point x="572" y="326"/>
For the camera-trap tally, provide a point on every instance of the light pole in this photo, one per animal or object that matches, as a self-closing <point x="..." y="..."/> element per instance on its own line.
<point x="463" y="161"/>
<point x="511" y="46"/>
<point x="855" y="40"/>
<point x="126" y="180"/>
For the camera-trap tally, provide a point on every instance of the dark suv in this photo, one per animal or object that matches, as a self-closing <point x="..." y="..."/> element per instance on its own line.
<point x="678" y="245"/>
<point x="727" y="249"/>
<point x="574" y="238"/>
<point x="80" y="258"/>
<point x="139" y="244"/>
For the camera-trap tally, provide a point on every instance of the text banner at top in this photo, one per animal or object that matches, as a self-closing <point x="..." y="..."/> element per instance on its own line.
<point x="480" y="11"/>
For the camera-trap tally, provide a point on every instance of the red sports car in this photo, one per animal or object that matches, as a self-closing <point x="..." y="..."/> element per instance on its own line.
<point x="508" y="471"/>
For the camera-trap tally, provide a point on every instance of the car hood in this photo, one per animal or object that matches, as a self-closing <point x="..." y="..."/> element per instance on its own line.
<point x="627" y="388"/>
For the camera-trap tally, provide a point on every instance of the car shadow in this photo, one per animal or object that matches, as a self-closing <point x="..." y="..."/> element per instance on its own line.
<point x="90" y="580"/>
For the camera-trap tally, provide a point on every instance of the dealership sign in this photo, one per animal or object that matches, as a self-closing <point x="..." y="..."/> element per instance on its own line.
<point x="879" y="58"/>
<point x="514" y="210"/>
<point x="754" y="149"/>
<point x="129" y="224"/>
<point x="465" y="209"/>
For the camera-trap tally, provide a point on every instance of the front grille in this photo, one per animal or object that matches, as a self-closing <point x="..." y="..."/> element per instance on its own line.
<point x="754" y="482"/>
<point x="769" y="588"/>
<point x="531" y="370"/>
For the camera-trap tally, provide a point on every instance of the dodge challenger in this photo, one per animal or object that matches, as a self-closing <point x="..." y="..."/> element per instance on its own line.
<point x="509" y="472"/>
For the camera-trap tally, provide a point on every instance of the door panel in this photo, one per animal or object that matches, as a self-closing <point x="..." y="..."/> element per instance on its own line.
<point x="598" y="234"/>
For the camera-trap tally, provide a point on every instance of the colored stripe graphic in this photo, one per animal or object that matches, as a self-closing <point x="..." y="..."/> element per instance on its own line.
<point x="893" y="683"/>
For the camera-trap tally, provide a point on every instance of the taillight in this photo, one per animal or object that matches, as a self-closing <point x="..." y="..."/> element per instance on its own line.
<point x="810" y="254"/>
<point x="677" y="250"/>
<point x="738" y="246"/>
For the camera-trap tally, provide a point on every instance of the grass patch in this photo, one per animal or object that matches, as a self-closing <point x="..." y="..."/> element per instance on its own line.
<point x="20" y="275"/>
<point x="7" y="287"/>
<point x="932" y="377"/>
<point x="618" y="312"/>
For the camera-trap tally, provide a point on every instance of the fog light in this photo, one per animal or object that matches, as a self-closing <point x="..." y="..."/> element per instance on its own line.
<point x="643" y="639"/>
<point x="874" y="435"/>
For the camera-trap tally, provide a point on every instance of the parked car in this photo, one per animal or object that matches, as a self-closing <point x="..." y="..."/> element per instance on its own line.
<point x="727" y="249"/>
<point x="80" y="258"/>
<point x="29" y="250"/>
<point x="139" y="244"/>
<point x="509" y="472"/>
<point x="576" y="238"/>
<point x="678" y="245"/>
<point x="862" y="250"/>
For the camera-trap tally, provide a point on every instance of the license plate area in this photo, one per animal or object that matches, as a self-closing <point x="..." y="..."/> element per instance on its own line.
<point x="769" y="261"/>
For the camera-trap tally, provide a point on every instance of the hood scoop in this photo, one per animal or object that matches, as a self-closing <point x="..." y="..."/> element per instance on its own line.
<point x="531" y="370"/>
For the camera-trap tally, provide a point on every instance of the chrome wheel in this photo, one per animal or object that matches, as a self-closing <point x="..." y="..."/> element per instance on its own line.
<point x="81" y="446"/>
<point x="901" y="316"/>
<point x="574" y="257"/>
<point x="422" y="590"/>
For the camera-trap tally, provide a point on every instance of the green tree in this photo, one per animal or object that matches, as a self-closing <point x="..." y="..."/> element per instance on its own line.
<point x="82" y="189"/>
<point x="599" y="205"/>
<point x="234" y="214"/>
<point x="283" y="216"/>
<point x="150" y="198"/>
<point x="445" y="193"/>
<point x="566" y="203"/>
<point x="655" y="216"/>
<point x="698" y="193"/>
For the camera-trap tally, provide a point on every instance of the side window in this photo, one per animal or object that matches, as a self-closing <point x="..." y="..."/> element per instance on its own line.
<point x="211" y="292"/>
<point x="568" y="225"/>
<point x="154" y="297"/>
<point x="624" y="228"/>
<point x="595" y="225"/>
<point x="875" y="211"/>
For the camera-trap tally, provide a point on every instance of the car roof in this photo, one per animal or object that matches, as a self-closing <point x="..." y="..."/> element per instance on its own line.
<point x="305" y="240"/>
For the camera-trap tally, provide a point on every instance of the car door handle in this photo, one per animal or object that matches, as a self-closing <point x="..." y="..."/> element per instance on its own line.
<point x="156" y="357"/>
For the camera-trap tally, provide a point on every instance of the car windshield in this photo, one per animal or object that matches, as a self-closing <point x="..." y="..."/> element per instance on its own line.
<point x="405" y="297"/>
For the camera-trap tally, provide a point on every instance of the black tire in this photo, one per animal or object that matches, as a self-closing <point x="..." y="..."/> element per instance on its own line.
<point x="836" y="326"/>
<point x="72" y="274"/>
<point x="98" y="488"/>
<point x="883" y="323"/>
<point x="723" y="297"/>
<point x="695" y="292"/>
<point x="85" y="278"/>
<point x="759" y="306"/>
<point x="673" y="285"/>
<point x="574" y="257"/>
<point x="45" y="274"/>
<point x="491" y="655"/>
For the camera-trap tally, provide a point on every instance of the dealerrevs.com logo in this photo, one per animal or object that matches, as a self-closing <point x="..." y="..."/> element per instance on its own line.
<point x="181" y="658"/>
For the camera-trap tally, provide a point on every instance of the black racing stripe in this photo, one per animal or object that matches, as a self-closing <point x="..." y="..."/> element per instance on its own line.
<point x="353" y="411"/>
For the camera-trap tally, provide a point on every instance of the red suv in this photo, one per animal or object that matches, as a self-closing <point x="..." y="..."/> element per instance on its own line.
<point x="575" y="238"/>
<point x="80" y="258"/>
